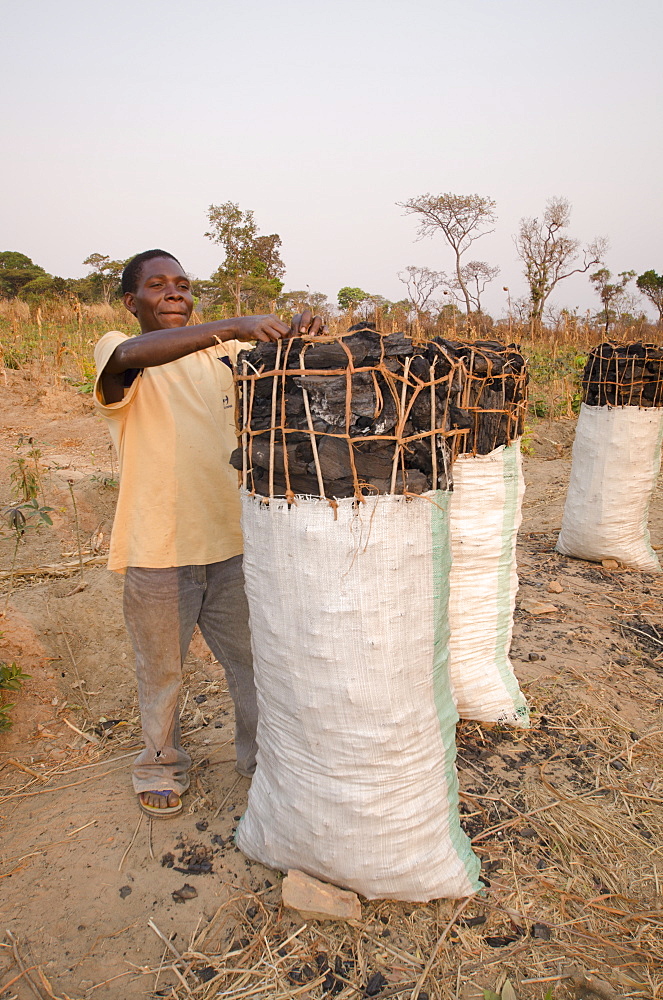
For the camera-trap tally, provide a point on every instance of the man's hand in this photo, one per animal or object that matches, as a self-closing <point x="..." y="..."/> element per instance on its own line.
<point x="263" y="328"/>
<point x="306" y="322"/>
<point x="268" y="328"/>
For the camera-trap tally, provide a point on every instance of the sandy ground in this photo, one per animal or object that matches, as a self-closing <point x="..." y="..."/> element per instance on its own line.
<point x="81" y="873"/>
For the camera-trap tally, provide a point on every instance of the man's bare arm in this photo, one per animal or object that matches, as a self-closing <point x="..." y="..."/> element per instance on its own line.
<point x="158" y="347"/>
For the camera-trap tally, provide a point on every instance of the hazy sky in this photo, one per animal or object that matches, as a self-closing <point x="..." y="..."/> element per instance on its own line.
<point x="121" y="123"/>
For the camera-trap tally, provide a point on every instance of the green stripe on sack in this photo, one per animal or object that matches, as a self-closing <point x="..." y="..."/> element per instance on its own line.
<point x="656" y="467"/>
<point x="504" y="568"/>
<point x="444" y="703"/>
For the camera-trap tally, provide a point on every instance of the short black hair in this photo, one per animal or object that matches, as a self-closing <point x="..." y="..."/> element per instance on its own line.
<point x="132" y="271"/>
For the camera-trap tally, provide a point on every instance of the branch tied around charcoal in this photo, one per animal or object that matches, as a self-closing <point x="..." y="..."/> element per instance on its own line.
<point x="492" y="404"/>
<point x="370" y="413"/>
<point x="624" y="375"/>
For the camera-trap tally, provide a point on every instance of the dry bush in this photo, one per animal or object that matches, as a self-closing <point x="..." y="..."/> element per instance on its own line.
<point x="56" y="338"/>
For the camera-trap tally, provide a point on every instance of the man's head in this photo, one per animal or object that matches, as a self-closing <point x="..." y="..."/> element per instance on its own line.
<point x="157" y="291"/>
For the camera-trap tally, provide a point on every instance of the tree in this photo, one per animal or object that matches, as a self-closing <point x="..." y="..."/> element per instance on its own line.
<point x="252" y="268"/>
<point x="450" y="315"/>
<point x="16" y="270"/>
<point x="462" y="219"/>
<point x="421" y="282"/>
<point x="476" y="275"/>
<point x="651" y="284"/>
<point x="45" y="286"/>
<point x="107" y="273"/>
<point x="549" y="254"/>
<point x="610" y="292"/>
<point x="299" y="300"/>
<point x="349" y="298"/>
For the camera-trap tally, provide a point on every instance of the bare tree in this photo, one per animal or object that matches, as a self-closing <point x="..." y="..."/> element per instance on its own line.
<point x="476" y="275"/>
<point x="462" y="219"/>
<point x="421" y="282"/>
<point x="549" y="255"/>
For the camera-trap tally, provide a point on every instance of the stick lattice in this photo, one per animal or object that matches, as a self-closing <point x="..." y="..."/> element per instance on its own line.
<point x="624" y="375"/>
<point x="366" y="413"/>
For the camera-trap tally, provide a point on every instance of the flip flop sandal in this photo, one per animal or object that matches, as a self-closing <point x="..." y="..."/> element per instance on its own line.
<point x="163" y="812"/>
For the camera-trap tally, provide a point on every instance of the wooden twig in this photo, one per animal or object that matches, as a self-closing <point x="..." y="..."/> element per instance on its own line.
<point x="86" y="736"/>
<point x="631" y="628"/>
<point x="25" y="768"/>
<point x="45" y="983"/>
<point x="131" y="842"/>
<point x="226" y="797"/>
<point x="20" y="963"/>
<point x="429" y="964"/>
<point x="3" y="989"/>
<point x="59" y="788"/>
<point x="169" y="944"/>
<point x="55" y="569"/>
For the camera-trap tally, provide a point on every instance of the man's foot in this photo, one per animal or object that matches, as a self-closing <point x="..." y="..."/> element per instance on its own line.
<point x="163" y="805"/>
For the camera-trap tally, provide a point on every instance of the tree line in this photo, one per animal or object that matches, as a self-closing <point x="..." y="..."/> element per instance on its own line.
<point x="250" y="277"/>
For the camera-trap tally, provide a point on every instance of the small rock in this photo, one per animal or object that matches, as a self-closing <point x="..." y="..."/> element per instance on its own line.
<point x="610" y="564"/>
<point x="555" y="587"/>
<point x="202" y="826"/>
<point x="316" y="900"/>
<point x="533" y="656"/>
<point x="186" y="892"/>
<point x="125" y="891"/>
<point x="538" y="607"/>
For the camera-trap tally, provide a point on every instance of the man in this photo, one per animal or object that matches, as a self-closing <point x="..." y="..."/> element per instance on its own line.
<point x="169" y="400"/>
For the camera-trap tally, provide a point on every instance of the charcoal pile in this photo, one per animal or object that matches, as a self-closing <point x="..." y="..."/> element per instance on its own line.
<point x="367" y="412"/>
<point x="493" y="402"/>
<point x="624" y="375"/>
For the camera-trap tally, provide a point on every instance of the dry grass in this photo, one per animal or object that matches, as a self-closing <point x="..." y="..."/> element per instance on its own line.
<point x="571" y="849"/>
<point x="57" y="339"/>
<point x="572" y="860"/>
<point x="554" y="911"/>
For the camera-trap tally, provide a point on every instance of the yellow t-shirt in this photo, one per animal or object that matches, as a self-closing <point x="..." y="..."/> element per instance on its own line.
<point x="178" y="502"/>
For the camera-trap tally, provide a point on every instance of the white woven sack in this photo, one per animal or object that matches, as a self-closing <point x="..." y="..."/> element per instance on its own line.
<point x="356" y="781"/>
<point x="615" y="464"/>
<point x="485" y="514"/>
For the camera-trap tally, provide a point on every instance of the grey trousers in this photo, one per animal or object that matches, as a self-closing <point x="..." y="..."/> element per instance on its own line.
<point x="161" y="609"/>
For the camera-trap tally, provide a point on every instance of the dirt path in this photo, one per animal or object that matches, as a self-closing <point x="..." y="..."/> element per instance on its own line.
<point x="81" y="873"/>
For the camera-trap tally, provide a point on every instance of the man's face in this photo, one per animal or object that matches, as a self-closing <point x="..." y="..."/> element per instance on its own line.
<point x="163" y="299"/>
